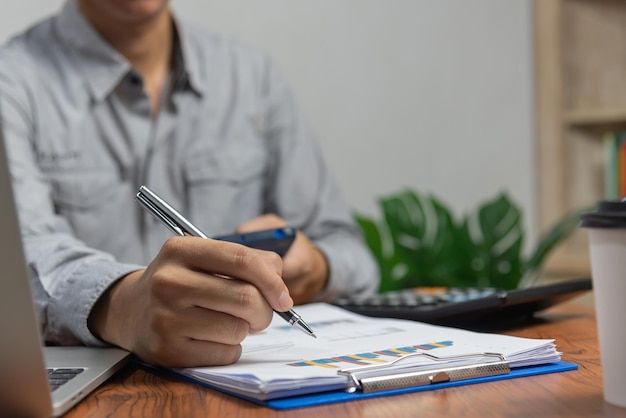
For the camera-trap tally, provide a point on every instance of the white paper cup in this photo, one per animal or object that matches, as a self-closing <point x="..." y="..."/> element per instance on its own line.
<point x="607" y="246"/>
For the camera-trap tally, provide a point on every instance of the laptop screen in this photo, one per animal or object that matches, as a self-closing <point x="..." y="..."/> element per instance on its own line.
<point x="23" y="378"/>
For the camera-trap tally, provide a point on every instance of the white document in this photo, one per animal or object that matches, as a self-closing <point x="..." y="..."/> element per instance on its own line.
<point x="283" y="361"/>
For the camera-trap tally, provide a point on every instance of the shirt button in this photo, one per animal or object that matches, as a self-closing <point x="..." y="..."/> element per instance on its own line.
<point x="135" y="80"/>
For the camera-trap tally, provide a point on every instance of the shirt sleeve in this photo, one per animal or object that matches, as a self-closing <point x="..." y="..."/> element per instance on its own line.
<point x="303" y="190"/>
<point x="67" y="276"/>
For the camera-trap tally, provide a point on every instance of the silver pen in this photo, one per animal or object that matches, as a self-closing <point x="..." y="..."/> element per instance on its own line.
<point x="177" y="223"/>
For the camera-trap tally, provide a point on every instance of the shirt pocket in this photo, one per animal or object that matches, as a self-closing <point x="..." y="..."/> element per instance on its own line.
<point x="79" y="190"/>
<point x="226" y="187"/>
<point x="95" y="203"/>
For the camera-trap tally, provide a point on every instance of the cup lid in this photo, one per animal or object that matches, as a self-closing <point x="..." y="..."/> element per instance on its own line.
<point x="608" y="214"/>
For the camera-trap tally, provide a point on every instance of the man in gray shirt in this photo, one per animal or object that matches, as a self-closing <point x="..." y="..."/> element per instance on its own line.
<point x="107" y="96"/>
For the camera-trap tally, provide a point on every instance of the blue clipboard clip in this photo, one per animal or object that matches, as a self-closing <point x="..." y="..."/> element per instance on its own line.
<point x="375" y="378"/>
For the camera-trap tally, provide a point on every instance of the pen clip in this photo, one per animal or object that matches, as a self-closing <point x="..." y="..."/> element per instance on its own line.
<point x="166" y="213"/>
<point x="169" y="223"/>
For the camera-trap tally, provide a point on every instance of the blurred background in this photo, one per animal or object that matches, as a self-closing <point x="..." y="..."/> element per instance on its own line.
<point x="435" y="95"/>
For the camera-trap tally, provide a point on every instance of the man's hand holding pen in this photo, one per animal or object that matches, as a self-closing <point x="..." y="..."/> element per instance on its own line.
<point x="194" y="304"/>
<point x="196" y="301"/>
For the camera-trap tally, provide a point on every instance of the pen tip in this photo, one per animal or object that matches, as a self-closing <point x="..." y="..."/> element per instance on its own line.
<point x="313" y="335"/>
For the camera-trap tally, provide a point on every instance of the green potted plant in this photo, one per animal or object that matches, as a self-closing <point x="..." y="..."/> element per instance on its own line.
<point x="419" y="243"/>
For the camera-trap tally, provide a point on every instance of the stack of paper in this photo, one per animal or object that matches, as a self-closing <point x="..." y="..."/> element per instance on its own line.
<point x="282" y="361"/>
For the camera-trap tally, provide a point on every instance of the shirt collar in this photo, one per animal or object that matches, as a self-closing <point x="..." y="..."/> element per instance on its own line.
<point x="102" y="67"/>
<point x="186" y="63"/>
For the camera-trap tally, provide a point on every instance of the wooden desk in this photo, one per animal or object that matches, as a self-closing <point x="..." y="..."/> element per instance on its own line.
<point x="139" y="393"/>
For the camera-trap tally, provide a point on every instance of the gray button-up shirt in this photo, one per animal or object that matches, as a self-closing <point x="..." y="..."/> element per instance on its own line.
<point x="227" y="145"/>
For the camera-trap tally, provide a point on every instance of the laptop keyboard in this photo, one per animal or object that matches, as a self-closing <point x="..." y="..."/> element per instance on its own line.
<point x="59" y="377"/>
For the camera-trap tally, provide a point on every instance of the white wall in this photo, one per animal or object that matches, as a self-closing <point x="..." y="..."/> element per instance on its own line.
<point x="431" y="94"/>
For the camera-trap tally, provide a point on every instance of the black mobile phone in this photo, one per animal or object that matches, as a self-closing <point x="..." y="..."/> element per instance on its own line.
<point x="276" y="239"/>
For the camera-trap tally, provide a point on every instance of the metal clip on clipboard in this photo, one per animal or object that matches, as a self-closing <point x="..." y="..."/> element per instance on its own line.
<point x="404" y="379"/>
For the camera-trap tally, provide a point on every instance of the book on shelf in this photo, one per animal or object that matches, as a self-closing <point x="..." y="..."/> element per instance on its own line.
<point x="615" y="165"/>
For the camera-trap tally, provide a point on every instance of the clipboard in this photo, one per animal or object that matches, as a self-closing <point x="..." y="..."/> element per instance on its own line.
<point x="362" y="385"/>
<point x="358" y="357"/>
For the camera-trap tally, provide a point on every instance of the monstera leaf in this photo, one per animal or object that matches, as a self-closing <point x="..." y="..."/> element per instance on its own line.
<point x="492" y="240"/>
<point x="415" y="244"/>
<point x="419" y="243"/>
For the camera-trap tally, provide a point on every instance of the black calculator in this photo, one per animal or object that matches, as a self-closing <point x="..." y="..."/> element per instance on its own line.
<point x="466" y="306"/>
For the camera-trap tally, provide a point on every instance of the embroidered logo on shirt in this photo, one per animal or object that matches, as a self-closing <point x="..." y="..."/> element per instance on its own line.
<point x="58" y="158"/>
<point x="62" y="159"/>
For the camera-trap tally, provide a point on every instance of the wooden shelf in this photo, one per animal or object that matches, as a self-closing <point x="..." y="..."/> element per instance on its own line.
<point x="568" y="261"/>
<point x="595" y="117"/>
<point x="580" y="93"/>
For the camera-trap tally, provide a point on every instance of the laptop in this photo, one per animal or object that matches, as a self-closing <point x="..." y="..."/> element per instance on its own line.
<point x="37" y="381"/>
